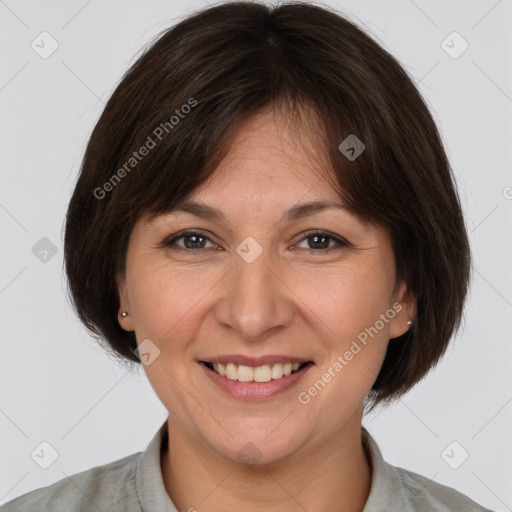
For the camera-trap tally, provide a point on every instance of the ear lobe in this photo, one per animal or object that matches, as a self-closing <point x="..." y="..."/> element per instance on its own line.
<point x="125" y="322"/>
<point x="407" y="313"/>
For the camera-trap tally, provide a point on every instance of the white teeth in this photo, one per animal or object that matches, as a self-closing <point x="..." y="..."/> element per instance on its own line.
<point x="245" y="373"/>
<point x="287" y="368"/>
<point x="219" y="368"/>
<point x="232" y="371"/>
<point x="277" y="371"/>
<point x="264" y="373"/>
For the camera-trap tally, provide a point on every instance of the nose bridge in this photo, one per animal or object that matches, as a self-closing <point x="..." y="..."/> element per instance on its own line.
<point x="255" y="300"/>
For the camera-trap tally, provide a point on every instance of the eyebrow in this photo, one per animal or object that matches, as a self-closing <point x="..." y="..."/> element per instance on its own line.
<point x="296" y="212"/>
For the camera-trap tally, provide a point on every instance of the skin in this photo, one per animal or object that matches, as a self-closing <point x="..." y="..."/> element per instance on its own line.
<point x="307" y="302"/>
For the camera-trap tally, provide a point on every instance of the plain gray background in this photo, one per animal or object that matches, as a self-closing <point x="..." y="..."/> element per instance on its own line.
<point x="58" y="386"/>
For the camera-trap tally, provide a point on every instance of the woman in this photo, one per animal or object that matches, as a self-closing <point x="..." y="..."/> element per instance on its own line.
<point x="266" y="218"/>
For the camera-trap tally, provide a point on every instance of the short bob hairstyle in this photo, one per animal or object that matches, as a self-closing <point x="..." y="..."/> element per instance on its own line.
<point x="170" y="121"/>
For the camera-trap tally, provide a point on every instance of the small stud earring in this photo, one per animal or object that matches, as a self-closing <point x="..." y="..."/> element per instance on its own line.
<point x="409" y="322"/>
<point x="124" y="314"/>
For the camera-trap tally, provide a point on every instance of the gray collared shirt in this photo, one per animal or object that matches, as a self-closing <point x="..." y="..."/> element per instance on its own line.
<point x="134" y="484"/>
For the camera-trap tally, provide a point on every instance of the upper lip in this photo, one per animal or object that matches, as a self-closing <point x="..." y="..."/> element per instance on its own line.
<point x="239" y="359"/>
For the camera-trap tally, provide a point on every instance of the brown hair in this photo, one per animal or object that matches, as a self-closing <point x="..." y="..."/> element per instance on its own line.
<point x="183" y="99"/>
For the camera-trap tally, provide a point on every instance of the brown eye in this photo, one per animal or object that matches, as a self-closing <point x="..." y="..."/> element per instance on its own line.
<point x="192" y="240"/>
<point x="319" y="241"/>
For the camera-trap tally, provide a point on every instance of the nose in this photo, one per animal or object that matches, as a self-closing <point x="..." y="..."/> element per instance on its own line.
<point x="255" y="301"/>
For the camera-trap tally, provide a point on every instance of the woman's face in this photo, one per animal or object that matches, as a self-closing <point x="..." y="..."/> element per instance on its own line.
<point x="260" y="288"/>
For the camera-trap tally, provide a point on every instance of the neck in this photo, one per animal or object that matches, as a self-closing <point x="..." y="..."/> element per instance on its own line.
<point x="333" y="476"/>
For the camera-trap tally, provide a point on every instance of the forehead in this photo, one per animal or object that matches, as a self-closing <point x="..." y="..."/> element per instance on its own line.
<point x="270" y="157"/>
<point x="275" y="166"/>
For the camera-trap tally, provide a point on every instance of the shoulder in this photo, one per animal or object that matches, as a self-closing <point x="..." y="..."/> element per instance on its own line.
<point x="396" y="488"/>
<point x="425" y="494"/>
<point x="108" y="487"/>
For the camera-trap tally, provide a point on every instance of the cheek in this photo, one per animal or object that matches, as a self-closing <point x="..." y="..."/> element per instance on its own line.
<point x="355" y="349"/>
<point x="349" y="303"/>
<point x="169" y="307"/>
<point x="161" y="301"/>
<point x="347" y="300"/>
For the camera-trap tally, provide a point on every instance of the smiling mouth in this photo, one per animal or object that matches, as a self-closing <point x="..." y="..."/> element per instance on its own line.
<point x="265" y="373"/>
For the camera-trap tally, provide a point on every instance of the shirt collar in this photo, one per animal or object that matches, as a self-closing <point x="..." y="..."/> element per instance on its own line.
<point x="149" y="481"/>
<point x="386" y="493"/>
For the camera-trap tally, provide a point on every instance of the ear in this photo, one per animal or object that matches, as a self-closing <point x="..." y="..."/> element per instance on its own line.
<point x="124" y="305"/>
<point x="407" y="311"/>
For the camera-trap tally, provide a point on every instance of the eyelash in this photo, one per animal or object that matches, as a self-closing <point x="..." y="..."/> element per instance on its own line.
<point x="171" y="243"/>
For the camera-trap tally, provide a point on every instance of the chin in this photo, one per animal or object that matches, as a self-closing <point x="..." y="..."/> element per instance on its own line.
<point x="259" y="448"/>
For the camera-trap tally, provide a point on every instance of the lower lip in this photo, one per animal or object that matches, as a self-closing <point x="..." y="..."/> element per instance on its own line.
<point x="255" y="390"/>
